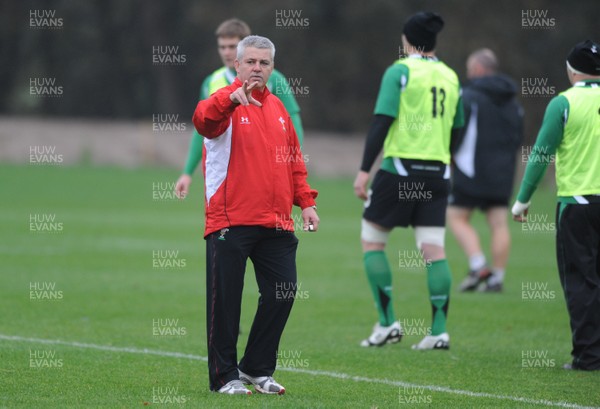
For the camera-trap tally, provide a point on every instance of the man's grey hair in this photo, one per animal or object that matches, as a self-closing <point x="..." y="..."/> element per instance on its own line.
<point x="256" y="42"/>
<point x="486" y="58"/>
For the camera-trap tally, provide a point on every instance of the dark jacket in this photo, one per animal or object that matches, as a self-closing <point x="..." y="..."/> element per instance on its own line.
<point x="484" y="163"/>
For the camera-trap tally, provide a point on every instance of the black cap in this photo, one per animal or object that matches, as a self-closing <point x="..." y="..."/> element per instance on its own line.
<point x="585" y="57"/>
<point x="421" y="30"/>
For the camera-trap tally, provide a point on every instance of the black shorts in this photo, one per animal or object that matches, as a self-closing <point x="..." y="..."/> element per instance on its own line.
<point x="404" y="201"/>
<point x="460" y="199"/>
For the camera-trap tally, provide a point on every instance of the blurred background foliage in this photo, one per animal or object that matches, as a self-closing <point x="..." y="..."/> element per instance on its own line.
<point x="102" y="56"/>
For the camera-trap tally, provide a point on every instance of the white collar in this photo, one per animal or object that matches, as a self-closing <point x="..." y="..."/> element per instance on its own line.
<point x="585" y="84"/>
<point x="423" y="57"/>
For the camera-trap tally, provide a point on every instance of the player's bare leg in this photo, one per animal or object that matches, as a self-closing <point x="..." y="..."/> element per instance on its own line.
<point x="459" y="219"/>
<point x="497" y="218"/>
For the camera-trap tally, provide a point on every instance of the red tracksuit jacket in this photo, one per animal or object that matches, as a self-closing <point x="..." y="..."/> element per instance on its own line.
<point x="254" y="170"/>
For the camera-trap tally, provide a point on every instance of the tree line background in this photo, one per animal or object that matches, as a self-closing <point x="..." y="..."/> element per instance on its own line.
<point x="102" y="55"/>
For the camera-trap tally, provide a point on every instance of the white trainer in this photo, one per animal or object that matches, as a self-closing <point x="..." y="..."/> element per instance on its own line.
<point x="235" y="387"/>
<point x="441" y="341"/>
<point x="263" y="384"/>
<point x="383" y="335"/>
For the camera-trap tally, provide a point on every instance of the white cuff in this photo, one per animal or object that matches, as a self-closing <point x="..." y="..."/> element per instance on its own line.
<point x="519" y="208"/>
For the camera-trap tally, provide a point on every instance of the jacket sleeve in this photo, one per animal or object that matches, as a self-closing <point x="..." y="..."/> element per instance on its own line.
<point x="304" y="196"/>
<point x="212" y="116"/>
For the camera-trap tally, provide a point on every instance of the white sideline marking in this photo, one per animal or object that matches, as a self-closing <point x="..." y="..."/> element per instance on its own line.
<point x="104" y="347"/>
<point x="330" y="374"/>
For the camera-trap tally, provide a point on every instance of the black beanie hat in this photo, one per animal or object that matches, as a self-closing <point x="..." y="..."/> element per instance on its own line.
<point x="421" y="30"/>
<point x="585" y="57"/>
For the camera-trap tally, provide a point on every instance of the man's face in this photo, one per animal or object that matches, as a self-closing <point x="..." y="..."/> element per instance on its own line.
<point x="472" y="68"/>
<point x="256" y="65"/>
<point x="227" y="49"/>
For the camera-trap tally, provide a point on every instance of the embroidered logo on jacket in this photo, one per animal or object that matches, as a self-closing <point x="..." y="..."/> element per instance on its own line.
<point x="222" y="236"/>
<point x="282" y="123"/>
<point x="245" y="120"/>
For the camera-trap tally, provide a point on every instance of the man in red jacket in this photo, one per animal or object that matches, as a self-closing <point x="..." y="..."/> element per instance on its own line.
<point x="254" y="173"/>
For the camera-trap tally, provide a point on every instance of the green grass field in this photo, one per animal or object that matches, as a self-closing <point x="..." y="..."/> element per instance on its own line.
<point x="120" y="283"/>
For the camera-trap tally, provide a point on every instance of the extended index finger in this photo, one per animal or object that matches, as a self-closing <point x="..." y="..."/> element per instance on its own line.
<point x="253" y="101"/>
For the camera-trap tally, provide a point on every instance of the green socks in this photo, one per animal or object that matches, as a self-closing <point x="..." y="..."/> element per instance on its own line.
<point x="380" y="278"/>
<point x="439" y="281"/>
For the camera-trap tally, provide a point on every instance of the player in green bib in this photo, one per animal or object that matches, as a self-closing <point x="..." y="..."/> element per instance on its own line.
<point x="417" y="112"/>
<point x="229" y="34"/>
<point x="570" y="133"/>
